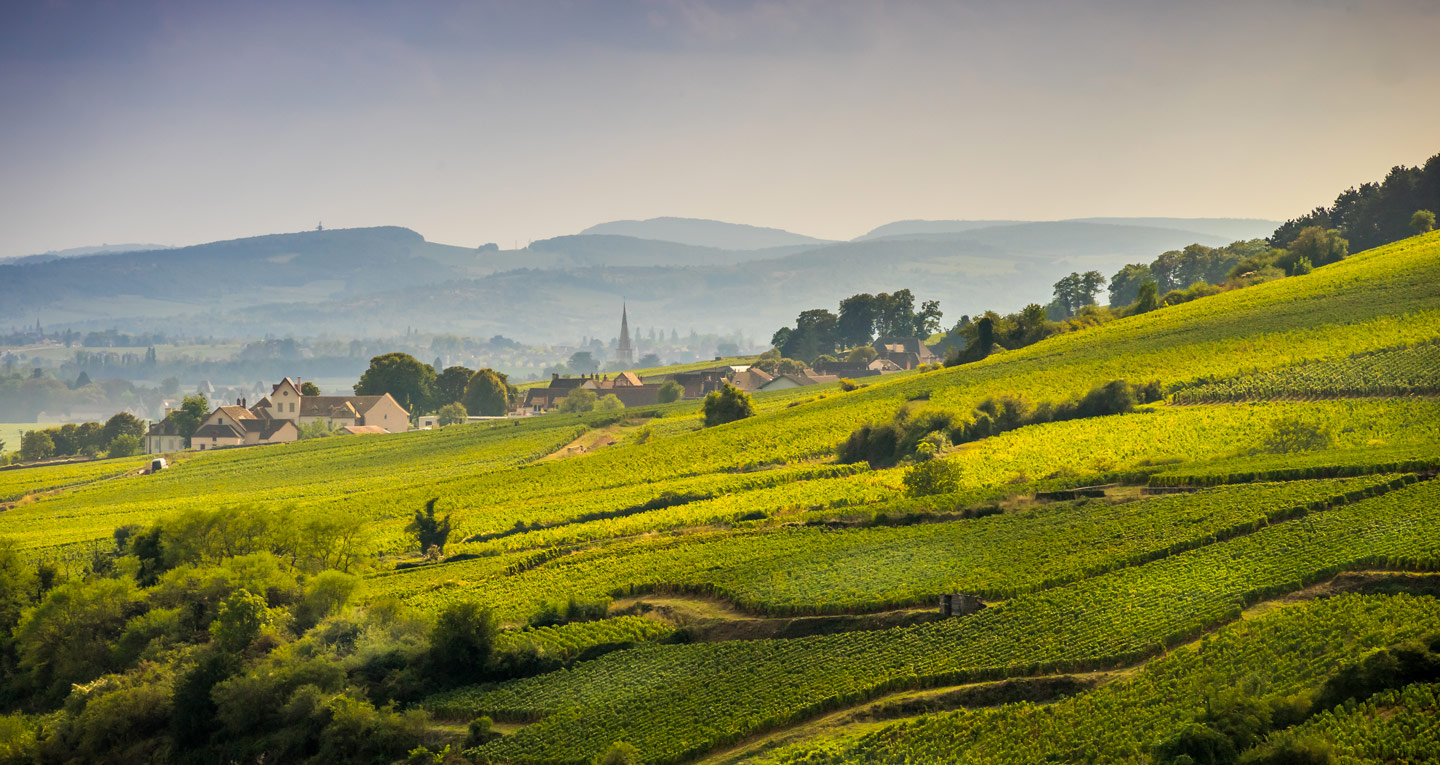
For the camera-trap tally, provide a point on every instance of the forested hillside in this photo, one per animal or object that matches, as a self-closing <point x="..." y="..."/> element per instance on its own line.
<point x="1235" y="515"/>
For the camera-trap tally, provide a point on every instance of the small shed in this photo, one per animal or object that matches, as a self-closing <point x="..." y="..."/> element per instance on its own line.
<point x="959" y="604"/>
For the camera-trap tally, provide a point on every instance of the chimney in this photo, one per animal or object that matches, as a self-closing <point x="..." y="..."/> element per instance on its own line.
<point x="554" y="375"/>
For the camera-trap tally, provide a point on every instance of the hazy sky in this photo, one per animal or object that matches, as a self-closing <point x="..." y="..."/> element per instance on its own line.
<point x="178" y="122"/>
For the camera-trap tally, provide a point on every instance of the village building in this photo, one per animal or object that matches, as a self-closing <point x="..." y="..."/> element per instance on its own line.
<point x="853" y="369"/>
<point x="905" y="352"/>
<point x="625" y="352"/>
<point x="277" y="418"/>
<point x="798" y="380"/>
<point x="164" y="437"/>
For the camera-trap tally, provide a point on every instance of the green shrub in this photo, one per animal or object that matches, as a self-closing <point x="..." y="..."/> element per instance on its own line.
<point x="932" y="477"/>
<point x="727" y="405"/>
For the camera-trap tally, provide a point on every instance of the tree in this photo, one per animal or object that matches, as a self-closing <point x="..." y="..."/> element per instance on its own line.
<point x="895" y="314"/>
<point x="1422" y="222"/>
<point x="123" y="424"/>
<point x="429" y="531"/>
<point x="1125" y="284"/>
<point x="863" y="354"/>
<point x="409" y="381"/>
<point x="239" y="620"/>
<point x="124" y="445"/>
<point x="450" y="385"/>
<point x="583" y="363"/>
<point x="488" y="393"/>
<point x="36" y="445"/>
<point x="927" y="319"/>
<point x="17" y="582"/>
<point x="193" y="410"/>
<point x="936" y="476"/>
<point x="985" y="329"/>
<point x="1147" y="298"/>
<point x="671" y="391"/>
<point x="452" y="414"/>
<point x="461" y="642"/>
<point x="84" y="379"/>
<point x="609" y="403"/>
<point x="1322" y="247"/>
<point x="814" y="335"/>
<point x="855" y="326"/>
<point x="727" y="405"/>
<point x="309" y="389"/>
<point x="649" y="360"/>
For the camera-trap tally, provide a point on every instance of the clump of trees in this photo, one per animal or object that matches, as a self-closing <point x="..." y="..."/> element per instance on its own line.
<point x="1375" y="213"/>
<point x="819" y="332"/>
<point x="120" y="436"/>
<point x="420" y="389"/>
<point x="230" y="635"/>
<point x="918" y="432"/>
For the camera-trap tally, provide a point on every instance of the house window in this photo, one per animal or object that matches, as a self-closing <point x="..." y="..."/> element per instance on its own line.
<point x="292" y="406"/>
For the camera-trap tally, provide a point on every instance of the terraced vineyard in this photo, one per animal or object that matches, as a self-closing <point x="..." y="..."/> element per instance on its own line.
<point x="886" y="567"/>
<point x="1401" y="372"/>
<point x="676" y="701"/>
<point x="1273" y="657"/>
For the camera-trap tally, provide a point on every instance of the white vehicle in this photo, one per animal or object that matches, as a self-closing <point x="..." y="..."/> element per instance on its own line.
<point x="158" y="464"/>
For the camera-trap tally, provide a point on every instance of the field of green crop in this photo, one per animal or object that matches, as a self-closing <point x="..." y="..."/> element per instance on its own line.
<point x="734" y="531"/>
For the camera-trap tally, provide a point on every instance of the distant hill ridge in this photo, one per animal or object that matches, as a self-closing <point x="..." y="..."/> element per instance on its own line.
<point x="1229" y="229"/>
<point x="704" y="233"/>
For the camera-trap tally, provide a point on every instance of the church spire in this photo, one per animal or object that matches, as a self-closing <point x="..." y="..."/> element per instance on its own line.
<point x="625" y="353"/>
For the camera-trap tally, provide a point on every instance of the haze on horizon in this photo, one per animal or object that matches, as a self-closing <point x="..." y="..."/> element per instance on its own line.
<point x="159" y="121"/>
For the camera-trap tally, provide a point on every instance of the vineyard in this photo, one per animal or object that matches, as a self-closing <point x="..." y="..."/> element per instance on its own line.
<point x="676" y="701"/>
<point x="632" y="593"/>
<point x="1401" y="372"/>
<point x="887" y="567"/>
<point x="1272" y="657"/>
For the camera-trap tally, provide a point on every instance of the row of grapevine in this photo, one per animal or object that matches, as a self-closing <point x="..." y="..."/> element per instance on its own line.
<point x="1393" y="726"/>
<point x="1278" y="655"/>
<point x="1399" y="372"/>
<point x="567" y="641"/>
<point x="676" y="701"/>
<point x="868" y="569"/>
<point x="1367" y="460"/>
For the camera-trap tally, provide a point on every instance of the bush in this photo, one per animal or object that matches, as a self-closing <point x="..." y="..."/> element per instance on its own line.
<point x="932" y="477"/>
<point x="727" y="405"/>
<point x="461" y="643"/>
<point x="619" y="753"/>
<point x="671" y="392"/>
<point x="428" y="531"/>
<point x="1286" y="748"/>
<point x="609" y="403"/>
<point x="481" y="732"/>
<point x="239" y="621"/>
<point x="847" y="385"/>
<point x="579" y="400"/>
<point x="125" y="445"/>
<point x="1422" y="222"/>
<point x="1195" y="744"/>
<point x="452" y="414"/>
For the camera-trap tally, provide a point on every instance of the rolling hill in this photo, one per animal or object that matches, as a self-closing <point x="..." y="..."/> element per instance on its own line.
<point x="733" y="593"/>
